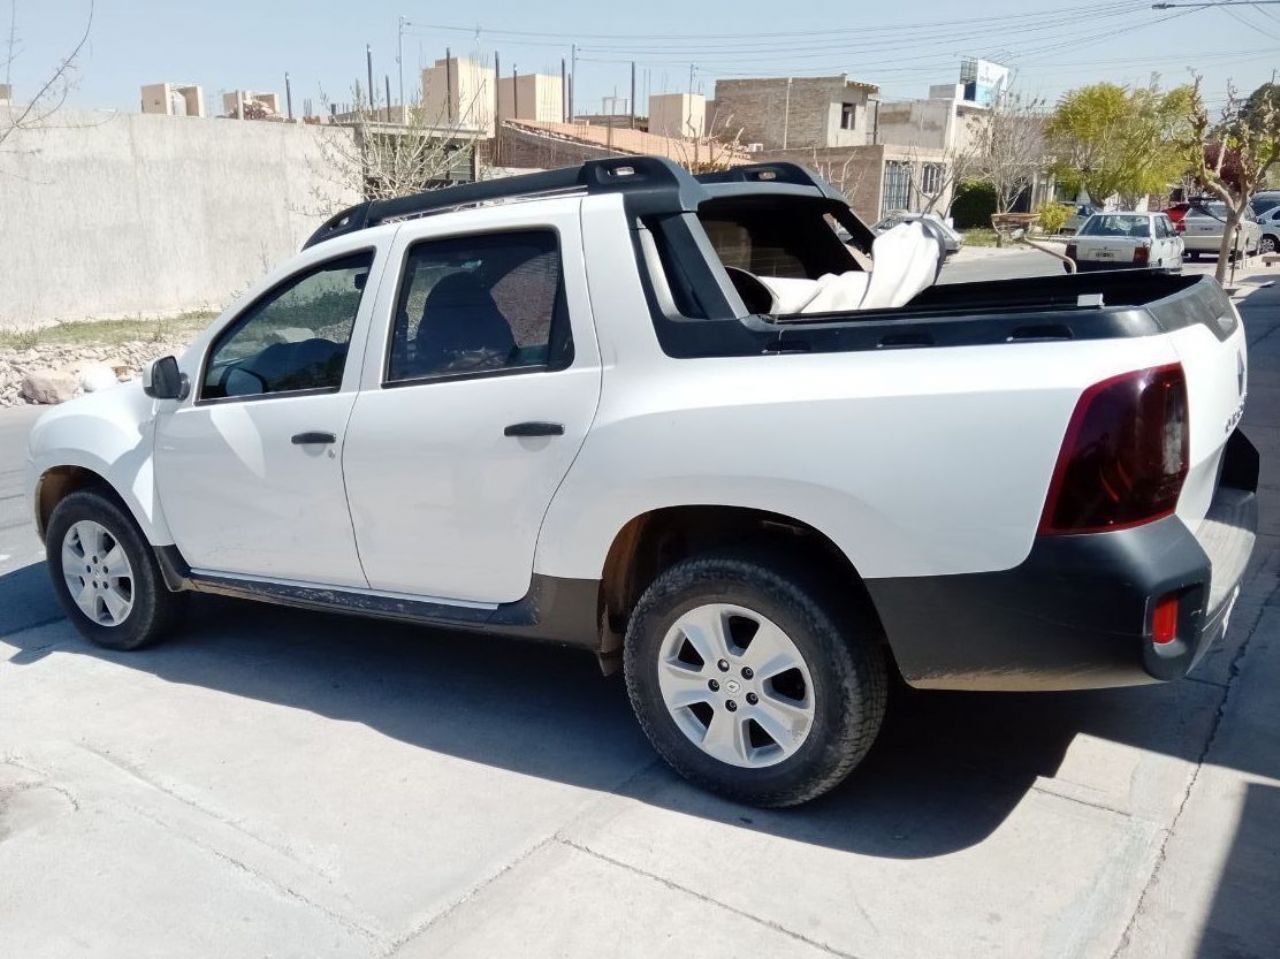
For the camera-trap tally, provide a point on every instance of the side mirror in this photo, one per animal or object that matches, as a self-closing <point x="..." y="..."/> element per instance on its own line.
<point x="162" y="380"/>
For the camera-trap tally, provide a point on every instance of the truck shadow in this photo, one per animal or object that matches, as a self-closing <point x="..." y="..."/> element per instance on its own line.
<point x="948" y="769"/>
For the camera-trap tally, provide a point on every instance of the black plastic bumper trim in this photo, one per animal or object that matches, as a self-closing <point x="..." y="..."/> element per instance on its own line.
<point x="1076" y="613"/>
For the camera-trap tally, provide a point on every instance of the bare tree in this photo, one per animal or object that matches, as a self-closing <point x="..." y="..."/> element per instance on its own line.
<point x="702" y="153"/>
<point x="845" y="174"/>
<point x="52" y="93"/>
<point x="1009" y="146"/>
<point x="1232" y="156"/>
<point x="950" y="167"/>
<point x="389" y="155"/>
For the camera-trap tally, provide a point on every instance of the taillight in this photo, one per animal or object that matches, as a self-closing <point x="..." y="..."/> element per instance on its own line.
<point x="1141" y="254"/>
<point x="1164" y="620"/>
<point x="1125" y="455"/>
<point x="1071" y="251"/>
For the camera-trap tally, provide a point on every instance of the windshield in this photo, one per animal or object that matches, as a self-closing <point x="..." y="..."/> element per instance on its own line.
<point x="1117" y="224"/>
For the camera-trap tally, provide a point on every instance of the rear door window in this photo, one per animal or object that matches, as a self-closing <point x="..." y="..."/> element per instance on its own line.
<point x="478" y="305"/>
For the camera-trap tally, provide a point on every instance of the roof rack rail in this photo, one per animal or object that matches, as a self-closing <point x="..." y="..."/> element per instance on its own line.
<point x="651" y="184"/>
<point x="782" y="172"/>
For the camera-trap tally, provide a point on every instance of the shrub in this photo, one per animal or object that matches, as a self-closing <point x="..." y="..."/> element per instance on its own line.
<point x="974" y="204"/>
<point x="1053" y="217"/>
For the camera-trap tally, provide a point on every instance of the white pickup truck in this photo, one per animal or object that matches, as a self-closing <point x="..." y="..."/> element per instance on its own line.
<point x="569" y="407"/>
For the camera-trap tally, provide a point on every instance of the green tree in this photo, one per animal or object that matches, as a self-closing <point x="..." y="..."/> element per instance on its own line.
<point x="1114" y="140"/>
<point x="1230" y="157"/>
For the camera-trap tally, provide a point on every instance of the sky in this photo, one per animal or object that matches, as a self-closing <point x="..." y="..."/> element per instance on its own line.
<point x="903" y="47"/>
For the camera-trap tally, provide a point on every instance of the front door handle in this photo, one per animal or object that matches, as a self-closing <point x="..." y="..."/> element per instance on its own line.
<point x="301" y="439"/>
<point x="534" y="429"/>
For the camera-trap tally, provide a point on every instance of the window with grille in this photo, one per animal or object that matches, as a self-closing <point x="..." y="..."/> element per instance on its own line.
<point x="931" y="179"/>
<point x="897" y="186"/>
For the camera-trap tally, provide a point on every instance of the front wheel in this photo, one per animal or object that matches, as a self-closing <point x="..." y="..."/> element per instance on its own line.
<point x="752" y="682"/>
<point x="1267" y="244"/>
<point x="105" y="574"/>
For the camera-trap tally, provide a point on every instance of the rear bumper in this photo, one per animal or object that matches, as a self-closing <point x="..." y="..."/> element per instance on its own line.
<point x="1076" y="614"/>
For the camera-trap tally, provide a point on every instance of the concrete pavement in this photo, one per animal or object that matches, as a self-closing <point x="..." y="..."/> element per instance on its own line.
<point x="282" y="783"/>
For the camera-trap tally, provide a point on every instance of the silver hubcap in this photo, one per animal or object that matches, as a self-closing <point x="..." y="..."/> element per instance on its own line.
<point x="1266" y="245"/>
<point x="736" y="685"/>
<point x="97" y="573"/>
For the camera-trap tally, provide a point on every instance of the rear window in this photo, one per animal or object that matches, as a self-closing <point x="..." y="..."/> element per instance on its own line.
<point x="1117" y="225"/>
<point x="1217" y="211"/>
<point x="1261" y="204"/>
<point x="775" y="237"/>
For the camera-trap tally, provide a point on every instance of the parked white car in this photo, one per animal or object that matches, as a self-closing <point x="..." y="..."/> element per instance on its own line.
<point x="1269" y="224"/>
<point x="1125" y="241"/>
<point x="569" y="407"/>
<point x="1202" y="225"/>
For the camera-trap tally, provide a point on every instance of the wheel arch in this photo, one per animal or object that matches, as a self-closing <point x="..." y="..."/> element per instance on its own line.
<point x="652" y="541"/>
<point x="58" y="482"/>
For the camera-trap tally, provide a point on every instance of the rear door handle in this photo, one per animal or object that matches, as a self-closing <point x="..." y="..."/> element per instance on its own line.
<point x="301" y="439"/>
<point x="534" y="429"/>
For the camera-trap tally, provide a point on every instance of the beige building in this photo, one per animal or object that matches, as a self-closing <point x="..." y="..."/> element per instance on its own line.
<point x="781" y="113"/>
<point x="944" y="120"/>
<point x="531" y="96"/>
<point x="678" y="114"/>
<point x="235" y="102"/>
<point x="459" y="92"/>
<point x="173" y="99"/>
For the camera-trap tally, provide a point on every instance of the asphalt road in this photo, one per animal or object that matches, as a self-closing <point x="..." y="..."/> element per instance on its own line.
<point x="280" y="783"/>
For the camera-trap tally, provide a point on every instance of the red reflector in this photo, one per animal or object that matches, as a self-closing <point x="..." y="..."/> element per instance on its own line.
<point x="1141" y="254"/>
<point x="1164" y="621"/>
<point x="1125" y="455"/>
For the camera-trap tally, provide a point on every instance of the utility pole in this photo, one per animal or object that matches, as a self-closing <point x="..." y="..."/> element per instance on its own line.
<point x="573" y="77"/>
<point x="448" y="84"/>
<point x="288" y="95"/>
<point x="401" y="23"/>
<point x="497" y="83"/>
<point x="386" y="79"/>
<point x="564" y="93"/>
<point x="691" y="78"/>
<point x="786" y="114"/>
<point x="368" y="58"/>
<point x="515" y="93"/>
<point x="633" y="94"/>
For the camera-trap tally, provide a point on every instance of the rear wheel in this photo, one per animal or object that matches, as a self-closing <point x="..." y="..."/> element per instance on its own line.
<point x="752" y="682"/>
<point x="105" y="574"/>
<point x="1267" y="244"/>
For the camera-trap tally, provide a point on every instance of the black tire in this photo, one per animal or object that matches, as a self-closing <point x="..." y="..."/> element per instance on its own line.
<point x="155" y="610"/>
<point x="840" y="650"/>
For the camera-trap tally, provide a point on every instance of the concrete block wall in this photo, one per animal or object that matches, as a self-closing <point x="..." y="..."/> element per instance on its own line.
<point x="808" y="116"/>
<point x="857" y="172"/>
<point x="120" y="215"/>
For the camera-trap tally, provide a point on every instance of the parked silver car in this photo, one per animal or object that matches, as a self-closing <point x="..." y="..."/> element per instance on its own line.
<point x="1202" y="227"/>
<point x="951" y="239"/>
